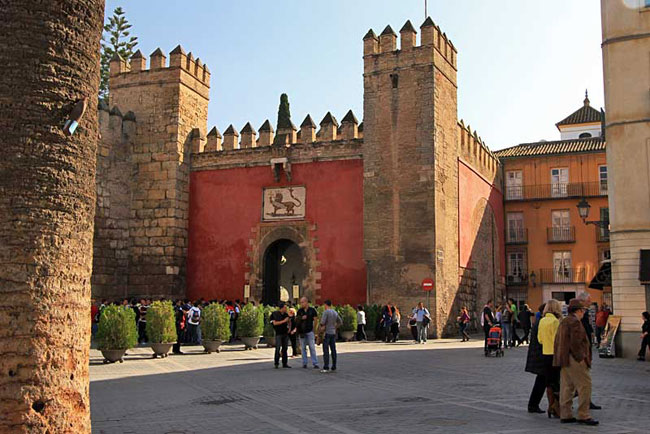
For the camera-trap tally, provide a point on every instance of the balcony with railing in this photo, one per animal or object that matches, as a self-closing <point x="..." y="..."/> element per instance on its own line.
<point x="562" y="275"/>
<point x="517" y="236"/>
<point x="602" y="235"/>
<point x="561" y="234"/>
<point x="517" y="279"/>
<point x="556" y="191"/>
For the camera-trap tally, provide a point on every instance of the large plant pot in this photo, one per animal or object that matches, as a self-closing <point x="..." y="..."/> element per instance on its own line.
<point x="212" y="346"/>
<point x="270" y="341"/>
<point x="112" y="356"/>
<point x="347" y="336"/>
<point x="161" y="349"/>
<point x="250" y="343"/>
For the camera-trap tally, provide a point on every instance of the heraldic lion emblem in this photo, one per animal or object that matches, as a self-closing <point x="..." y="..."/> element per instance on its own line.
<point x="283" y="207"/>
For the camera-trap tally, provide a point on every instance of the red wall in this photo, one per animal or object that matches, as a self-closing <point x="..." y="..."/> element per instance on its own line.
<point x="226" y="204"/>
<point x="472" y="188"/>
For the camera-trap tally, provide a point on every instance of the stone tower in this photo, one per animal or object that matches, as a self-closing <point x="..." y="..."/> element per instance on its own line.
<point x="410" y="167"/>
<point x="167" y="108"/>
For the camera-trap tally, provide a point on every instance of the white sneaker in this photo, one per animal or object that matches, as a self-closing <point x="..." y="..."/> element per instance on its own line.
<point x="324" y="371"/>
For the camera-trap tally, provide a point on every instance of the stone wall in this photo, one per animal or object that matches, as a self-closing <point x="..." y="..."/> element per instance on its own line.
<point x="168" y="103"/>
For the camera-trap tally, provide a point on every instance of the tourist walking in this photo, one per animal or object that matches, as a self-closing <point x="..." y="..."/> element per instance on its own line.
<point x="463" y="323"/>
<point x="573" y="356"/>
<point x="193" y="321"/>
<point x="601" y="322"/>
<point x="422" y="320"/>
<point x="506" y="325"/>
<point x="487" y="320"/>
<point x="535" y="365"/>
<point x="525" y="316"/>
<point x="645" y="335"/>
<point x="386" y="321"/>
<point x="361" y="324"/>
<point x="394" y="325"/>
<point x="293" y="332"/>
<point x="547" y="330"/>
<point x="329" y="323"/>
<point x="306" y="320"/>
<point x="142" y="321"/>
<point x="280" y="321"/>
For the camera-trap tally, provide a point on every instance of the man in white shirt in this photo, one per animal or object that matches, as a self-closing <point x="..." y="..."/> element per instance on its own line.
<point x="193" y="320"/>
<point x="422" y="320"/>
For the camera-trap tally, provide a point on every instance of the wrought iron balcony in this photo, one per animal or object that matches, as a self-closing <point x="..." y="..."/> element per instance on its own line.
<point x="556" y="191"/>
<point x="562" y="275"/>
<point x="517" y="236"/>
<point x="517" y="279"/>
<point x="561" y="234"/>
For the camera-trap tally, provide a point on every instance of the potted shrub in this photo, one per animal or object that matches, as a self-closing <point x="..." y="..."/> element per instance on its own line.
<point x="116" y="332"/>
<point x="215" y="327"/>
<point x="250" y="325"/>
<point x="372" y="317"/>
<point x="349" y="318"/>
<point x="161" y="327"/>
<point x="269" y="331"/>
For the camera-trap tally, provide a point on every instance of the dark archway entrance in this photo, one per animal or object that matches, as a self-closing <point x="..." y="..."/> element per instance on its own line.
<point x="284" y="266"/>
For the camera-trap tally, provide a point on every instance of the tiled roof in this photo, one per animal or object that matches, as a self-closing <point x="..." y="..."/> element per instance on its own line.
<point x="592" y="144"/>
<point x="584" y="115"/>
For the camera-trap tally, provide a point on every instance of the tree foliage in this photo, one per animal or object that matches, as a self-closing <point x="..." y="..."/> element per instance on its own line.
<point x="119" y="41"/>
<point x="161" y="323"/>
<point x="215" y="323"/>
<point x="284" y="118"/>
<point x="117" y="330"/>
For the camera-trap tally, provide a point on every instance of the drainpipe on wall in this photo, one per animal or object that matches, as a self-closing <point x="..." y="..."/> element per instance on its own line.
<point x="367" y="282"/>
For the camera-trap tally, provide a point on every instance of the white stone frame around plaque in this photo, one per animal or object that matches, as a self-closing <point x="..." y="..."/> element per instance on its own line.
<point x="283" y="203"/>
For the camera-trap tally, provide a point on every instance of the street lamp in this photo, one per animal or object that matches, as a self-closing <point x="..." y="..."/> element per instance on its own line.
<point x="583" y="210"/>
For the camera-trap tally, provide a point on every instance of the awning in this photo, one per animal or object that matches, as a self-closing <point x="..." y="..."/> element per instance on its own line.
<point x="603" y="278"/>
<point x="644" y="267"/>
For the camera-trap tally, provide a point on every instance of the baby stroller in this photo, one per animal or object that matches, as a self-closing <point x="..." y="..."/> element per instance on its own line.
<point x="494" y="342"/>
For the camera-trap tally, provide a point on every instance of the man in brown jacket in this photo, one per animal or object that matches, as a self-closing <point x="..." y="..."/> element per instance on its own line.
<point x="572" y="353"/>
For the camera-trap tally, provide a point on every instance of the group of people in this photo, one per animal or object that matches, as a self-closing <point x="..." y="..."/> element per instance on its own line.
<point x="387" y="327"/>
<point x="310" y="330"/>
<point x="510" y="318"/>
<point x="187" y="316"/>
<point x="560" y="355"/>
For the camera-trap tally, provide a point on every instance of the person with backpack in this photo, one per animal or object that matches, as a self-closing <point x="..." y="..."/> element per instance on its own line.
<point x="422" y="319"/>
<point x="193" y="321"/>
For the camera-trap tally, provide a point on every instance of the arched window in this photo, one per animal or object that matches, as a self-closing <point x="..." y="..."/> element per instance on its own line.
<point x="584" y="135"/>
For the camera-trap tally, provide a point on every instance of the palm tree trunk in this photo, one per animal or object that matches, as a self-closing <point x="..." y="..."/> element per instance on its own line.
<point x="49" y="59"/>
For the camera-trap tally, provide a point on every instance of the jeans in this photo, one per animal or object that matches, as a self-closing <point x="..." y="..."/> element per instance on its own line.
<point x="507" y="334"/>
<point x="329" y="344"/>
<point x="422" y="331"/>
<point x="192" y="333"/>
<point x="281" y="345"/>
<point x="305" y="340"/>
<point x="361" y="332"/>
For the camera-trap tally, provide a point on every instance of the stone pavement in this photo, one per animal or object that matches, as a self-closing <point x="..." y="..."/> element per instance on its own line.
<point x="444" y="386"/>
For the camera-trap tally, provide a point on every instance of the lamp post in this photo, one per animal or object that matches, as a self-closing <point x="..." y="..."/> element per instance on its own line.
<point x="583" y="210"/>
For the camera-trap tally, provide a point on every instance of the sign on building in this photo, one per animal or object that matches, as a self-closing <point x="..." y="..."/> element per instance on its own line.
<point x="283" y="203"/>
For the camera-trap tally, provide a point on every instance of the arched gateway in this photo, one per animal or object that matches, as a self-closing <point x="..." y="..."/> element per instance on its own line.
<point x="283" y="269"/>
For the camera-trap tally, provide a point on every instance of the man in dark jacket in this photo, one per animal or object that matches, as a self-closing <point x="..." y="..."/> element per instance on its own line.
<point x="535" y="365"/>
<point x="572" y="353"/>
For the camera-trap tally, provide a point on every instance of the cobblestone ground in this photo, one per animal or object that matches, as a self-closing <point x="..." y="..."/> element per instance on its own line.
<point x="442" y="387"/>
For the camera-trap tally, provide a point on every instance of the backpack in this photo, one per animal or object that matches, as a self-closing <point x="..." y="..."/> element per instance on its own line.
<point x="196" y="314"/>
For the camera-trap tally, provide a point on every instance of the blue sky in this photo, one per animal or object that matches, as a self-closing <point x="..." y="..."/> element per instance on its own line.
<point x="523" y="64"/>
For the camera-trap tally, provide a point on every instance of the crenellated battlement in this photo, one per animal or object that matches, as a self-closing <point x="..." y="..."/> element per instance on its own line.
<point x="330" y="131"/>
<point x="136" y="68"/>
<point x="474" y="151"/>
<point x="381" y="52"/>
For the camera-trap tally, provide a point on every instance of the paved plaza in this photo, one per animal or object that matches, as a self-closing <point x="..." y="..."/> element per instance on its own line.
<point x="444" y="386"/>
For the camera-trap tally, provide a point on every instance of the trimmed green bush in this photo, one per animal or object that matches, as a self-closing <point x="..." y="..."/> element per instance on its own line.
<point x="161" y="323"/>
<point x="373" y="312"/>
<point x="215" y="323"/>
<point x="269" y="331"/>
<point x="251" y="321"/>
<point x="349" y="317"/>
<point x="117" y="329"/>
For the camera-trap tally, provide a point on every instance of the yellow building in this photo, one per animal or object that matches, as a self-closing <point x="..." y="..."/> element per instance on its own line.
<point x="626" y="44"/>
<point x="550" y="252"/>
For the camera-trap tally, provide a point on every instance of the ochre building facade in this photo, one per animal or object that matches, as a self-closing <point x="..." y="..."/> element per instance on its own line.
<point x="353" y="211"/>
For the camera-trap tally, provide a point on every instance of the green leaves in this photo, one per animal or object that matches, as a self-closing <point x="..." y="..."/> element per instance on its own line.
<point x="161" y="323"/>
<point x="215" y="323"/>
<point x="251" y="321"/>
<point x="120" y="41"/>
<point x="117" y="329"/>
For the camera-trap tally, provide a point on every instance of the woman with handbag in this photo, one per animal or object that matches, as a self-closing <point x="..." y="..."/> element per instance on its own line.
<point x="535" y="365"/>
